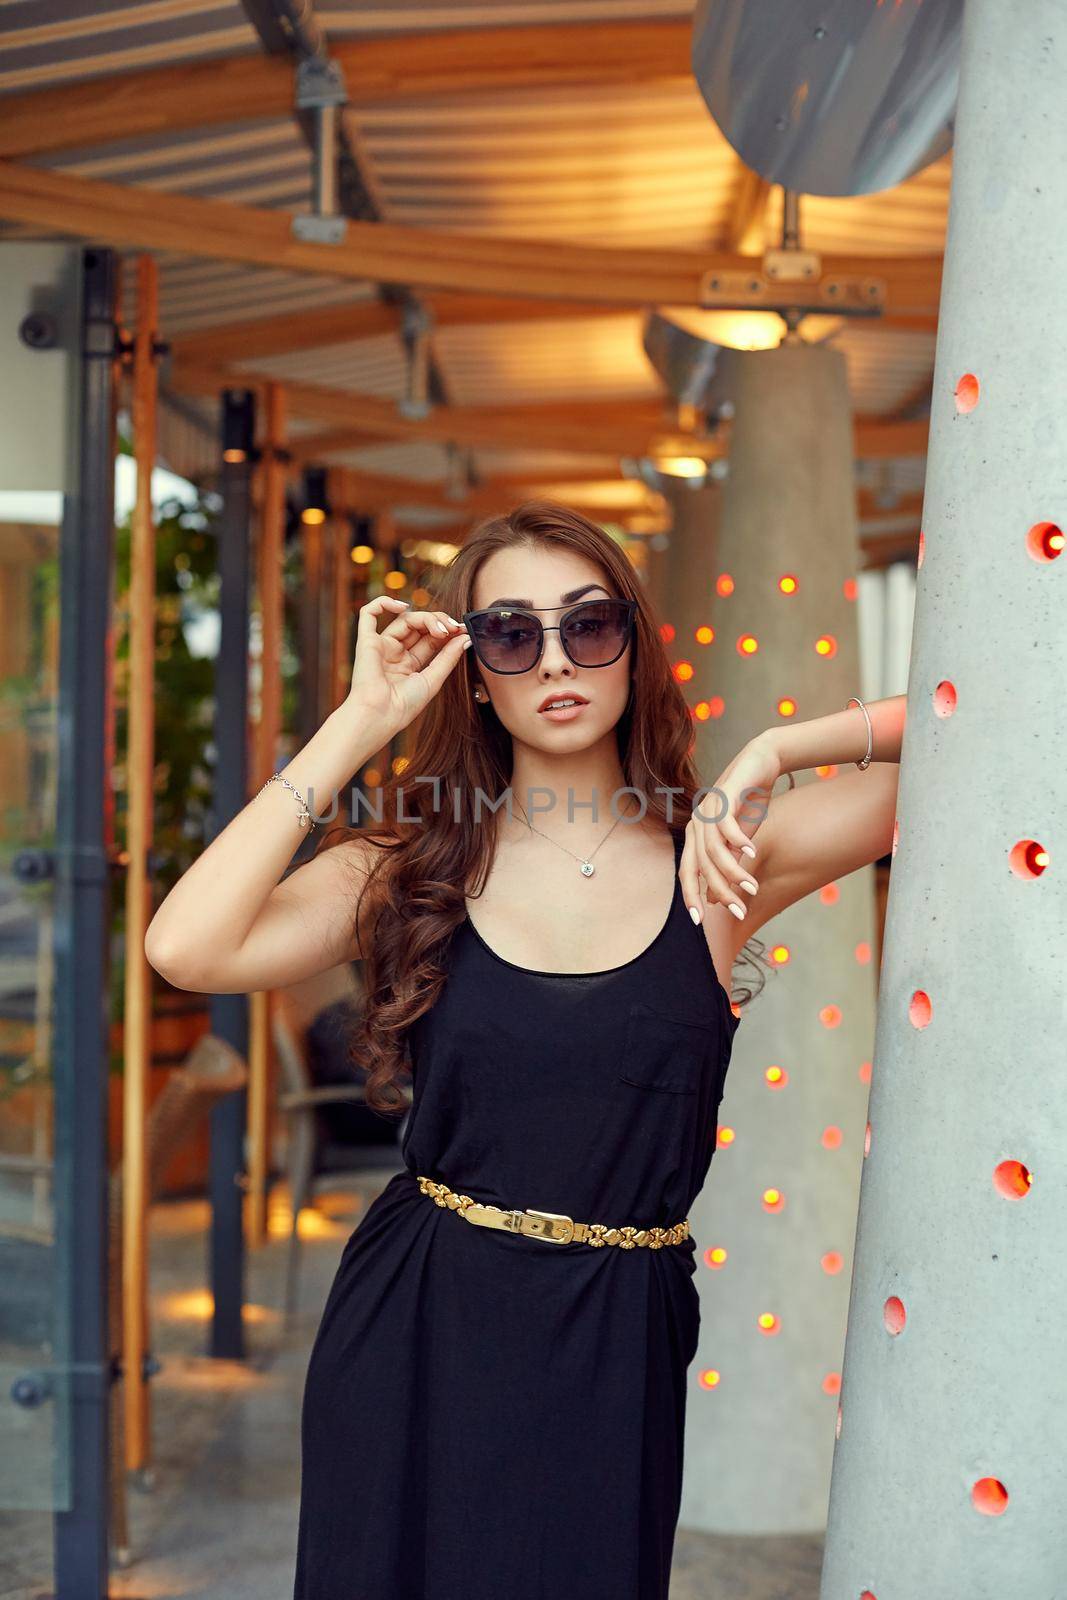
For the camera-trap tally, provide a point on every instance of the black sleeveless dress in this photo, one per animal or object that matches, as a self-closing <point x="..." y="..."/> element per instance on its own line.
<point x="489" y="1416"/>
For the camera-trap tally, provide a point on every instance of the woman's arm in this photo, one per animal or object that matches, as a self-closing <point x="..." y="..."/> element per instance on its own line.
<point x="827" y="829"/>
<point x="229" y="926"/>
<point x="795" y="842"/>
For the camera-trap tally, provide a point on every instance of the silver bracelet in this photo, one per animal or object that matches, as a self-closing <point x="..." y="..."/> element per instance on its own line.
<point x="306" y="820"/>
<point x="865" y="763"/>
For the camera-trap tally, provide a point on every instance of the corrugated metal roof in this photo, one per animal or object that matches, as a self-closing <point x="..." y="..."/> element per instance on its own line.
<point x="640" y="165"/>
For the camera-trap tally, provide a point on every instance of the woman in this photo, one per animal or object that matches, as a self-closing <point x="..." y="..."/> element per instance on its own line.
<point x="495" y="1411"/>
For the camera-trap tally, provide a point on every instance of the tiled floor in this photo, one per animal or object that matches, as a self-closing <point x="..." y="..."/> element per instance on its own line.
<point x="219" y="1519"/>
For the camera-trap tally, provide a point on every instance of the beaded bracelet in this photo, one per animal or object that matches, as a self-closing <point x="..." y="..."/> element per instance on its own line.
<point x="305" y="819"/>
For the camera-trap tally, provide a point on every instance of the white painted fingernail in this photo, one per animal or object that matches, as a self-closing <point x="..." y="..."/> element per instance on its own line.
<point x="442" y="627"/>
<point x="467" y="641"/>
<point x="747" y="883"/>
<point x="738" y="911"/>
<point x="694" y="913"/>
<point x="747" y="850"/>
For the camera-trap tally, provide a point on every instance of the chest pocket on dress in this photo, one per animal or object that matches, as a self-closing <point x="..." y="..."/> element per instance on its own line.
<point x="664" y="1052"/>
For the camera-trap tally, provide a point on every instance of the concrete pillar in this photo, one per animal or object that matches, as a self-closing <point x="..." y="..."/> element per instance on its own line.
<point x="759" y="1440"/>
<point x="948" y="1475"/>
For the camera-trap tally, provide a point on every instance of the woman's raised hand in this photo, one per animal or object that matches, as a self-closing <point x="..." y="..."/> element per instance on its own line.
<point x="716" y="856"/>
<point x="399" y="669"/>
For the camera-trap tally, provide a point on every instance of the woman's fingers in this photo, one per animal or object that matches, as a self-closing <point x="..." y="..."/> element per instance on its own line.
<point x="422" y="634"/>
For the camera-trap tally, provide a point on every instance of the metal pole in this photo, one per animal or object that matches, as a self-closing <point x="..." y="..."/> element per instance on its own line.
<point x="229" y="1012"/>
<point x="82" y="917"/>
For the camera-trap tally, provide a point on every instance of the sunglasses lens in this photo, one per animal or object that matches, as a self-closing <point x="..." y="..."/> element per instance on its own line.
<point x="597" y="632"/>
<point x="508" y="641"/>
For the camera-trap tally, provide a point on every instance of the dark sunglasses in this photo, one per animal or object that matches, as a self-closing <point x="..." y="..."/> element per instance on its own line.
<point x="593" y="634"/>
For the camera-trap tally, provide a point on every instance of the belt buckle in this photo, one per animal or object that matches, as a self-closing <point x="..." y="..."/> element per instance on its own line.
<point x="544" y="1226"/>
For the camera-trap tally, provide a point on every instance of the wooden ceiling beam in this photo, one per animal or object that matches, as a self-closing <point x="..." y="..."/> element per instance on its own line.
<point x="138" y="218"/>
<point x="163" y="100"/>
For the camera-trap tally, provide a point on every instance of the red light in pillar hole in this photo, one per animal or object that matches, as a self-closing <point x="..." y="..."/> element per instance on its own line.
<point x="1044" y="542"/>
<point x="787" y="583"/>
<point x="966" y="393"/>
<point x="666" y="632"/>
<point x="837" y="1435"/>
<point x="830" y="1016"/>
<point x="989" y="1496"/>
<point x="715" y="1256"/>
<point x="832" y="1262"/>
<point x="831" y="1138"/>
<point x="683" y="671"/>
<point x="1028" y="859"/>
<point x="787" y="708"/>
<point x="896" y="836"/>
<point x="826" y="772"/>
<point x="702" y="711"/>
<point x="849" y="588"/>
<point x="863" y="953"/>
<point x="829" y="894"/>
<point x="780" y="954"/>
<point x="768" y="1322"/>
<point x="831" y="1384"/>
<point x="893" y="1314"/>
<point x="773" y="1199"/>
<point x="709" y="1378"/>
<point x="724" y="1136"/>
<point x="922" y="550"/>
<point x="1012" y="1179"/>
<point x="747" y="644"/>
<point x="945" y="699"/>
<point x="867" y="1140"/>
<point x="826" y="646"/>
<point x="776" y="1077"/>
<point x="724" y="584"/>
<point x="865" y="1072"/>
<point x="920" y="1009"/>
<point x="868" y="1594"/>
<point x="717" y="705"/>
<point x="705" y="634"/>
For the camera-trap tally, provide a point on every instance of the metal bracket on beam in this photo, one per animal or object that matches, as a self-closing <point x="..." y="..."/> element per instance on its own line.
<point x="320" y="89"/>
<point x="416" y="326"/>
<point x="841" y="295"/>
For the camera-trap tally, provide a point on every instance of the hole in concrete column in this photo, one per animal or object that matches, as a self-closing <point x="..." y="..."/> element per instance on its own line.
<point x="896" y="836"/>
<point x="724" y="584"/>
<point x="922" y="550"/>
<point x="832" y="1262"/>
<point x="920" y="1009"/>
<point x="787" y="583"/>
<point x="773" y="1200"/>
<point x="867" y="1140"/>
<point x="966" y="393"/>
<point x="829" y="894"/>
<point x="715" y="1256"/>
<point x="831" y="1138"/>
<point x="1012" y="1179"/>
<point x="989" y="1496"/>
<point x="831" y="1384"/>
<point x="776" y="1077"/>
<point x="1028" y="859"/>
<point x="868" y="1594"/>
<point x="830" y="1016"/>
<point x="826" y="646"/>
<point x="709" y="1378"/>
<point x="1044" y="542"/>
<point x="837" y="1423"/>
<point x="863" y="953"/>
<point x="865" y="1072"/>
<point x="768" y="1323"/>
<point x="893" y="1314"/>
<point x="747" y="644"/>
<point x="850" y="588"/>
<point x="945" y="698"/>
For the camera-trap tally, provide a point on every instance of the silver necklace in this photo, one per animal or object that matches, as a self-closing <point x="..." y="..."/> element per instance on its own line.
<point x="585" y="863"/>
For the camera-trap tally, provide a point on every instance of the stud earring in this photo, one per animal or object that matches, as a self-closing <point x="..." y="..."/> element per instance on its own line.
<point x="480" y="694"/>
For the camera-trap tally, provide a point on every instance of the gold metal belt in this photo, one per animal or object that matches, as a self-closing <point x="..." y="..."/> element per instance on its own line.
<point x="552" y="1226"/>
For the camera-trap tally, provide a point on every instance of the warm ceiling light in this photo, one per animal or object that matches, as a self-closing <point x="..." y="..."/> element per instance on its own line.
<point x="362" y="553"/>
<point x="313" y="516"/>
<point x="682" y="466"/>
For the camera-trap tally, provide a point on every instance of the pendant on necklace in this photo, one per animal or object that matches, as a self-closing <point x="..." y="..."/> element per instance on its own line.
<point x="588" y="869"/>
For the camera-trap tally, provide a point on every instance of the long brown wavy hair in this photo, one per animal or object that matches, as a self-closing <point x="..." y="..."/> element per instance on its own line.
<point x="415" y="890"/>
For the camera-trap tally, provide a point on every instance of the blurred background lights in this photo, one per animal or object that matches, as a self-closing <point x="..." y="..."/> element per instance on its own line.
<point x="683" y="671"/>
<point x="362" y="554"/>
<point x="832" y="1262"/>
<point x="780" y="954"/>
<point x="863" y="953"/>
<point x="787" y="583"/>
<point x="826" y="645"/>
<point x="724" y="584"/>
<point x="666" y="632"/>
<point x="702" y="710"/>
<point x="768" y="1322"/>
<point x="776" y="1077"/>
<point x="705" y="634"/>
<point x="724" y="1136"/>
<point x="747" y="644"/>
<point x="773" y="1199"/>
<point x="850" y="588"/>
<point x="787" y="708"/>
<point x="708" y="1378"/>
<point x="830" y="1016"/>
<point x="865" y="1072"/>
<point x="831" y="1138"/>
<point x="829" y="894"/>
<point x="715" y="1256"/>
<point x="831" y="1384"/>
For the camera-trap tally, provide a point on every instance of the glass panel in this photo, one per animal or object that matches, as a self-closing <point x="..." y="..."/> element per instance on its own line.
<point x="34" y="448"/>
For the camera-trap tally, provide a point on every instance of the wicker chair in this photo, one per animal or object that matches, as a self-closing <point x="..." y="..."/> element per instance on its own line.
<point x="312" y="1153"/>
